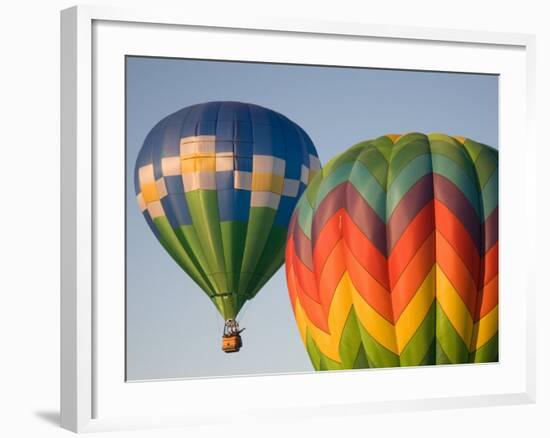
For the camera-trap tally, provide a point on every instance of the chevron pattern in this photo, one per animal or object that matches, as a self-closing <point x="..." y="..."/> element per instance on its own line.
<point x="392" y="255"/>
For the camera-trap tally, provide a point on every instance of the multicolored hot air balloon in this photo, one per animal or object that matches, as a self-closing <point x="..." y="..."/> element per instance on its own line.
<point x="392" y="255"/>
<point x="217" y="183"/>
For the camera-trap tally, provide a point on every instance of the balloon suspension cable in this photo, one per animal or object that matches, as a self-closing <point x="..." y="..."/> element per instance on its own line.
<point x="231" y="340"/>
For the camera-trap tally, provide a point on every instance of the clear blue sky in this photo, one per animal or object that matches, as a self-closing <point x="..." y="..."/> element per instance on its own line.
<point x="173" y="330"/>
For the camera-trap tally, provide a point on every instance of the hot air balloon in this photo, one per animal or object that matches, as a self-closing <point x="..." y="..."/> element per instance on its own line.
<point x="392" y="255"/>
<point x="217" y="183"/>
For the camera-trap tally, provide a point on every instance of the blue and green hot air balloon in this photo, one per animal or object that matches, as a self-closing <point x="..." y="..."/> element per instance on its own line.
<point x="217" y="183"/>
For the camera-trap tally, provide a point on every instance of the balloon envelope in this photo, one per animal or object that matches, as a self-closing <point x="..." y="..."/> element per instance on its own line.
<point x="217" y="183"/>
<point x="392" y="255"/>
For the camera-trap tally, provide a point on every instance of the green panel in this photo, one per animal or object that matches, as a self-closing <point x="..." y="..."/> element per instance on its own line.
<point x="473" y="148"/>
<point x="441" y="357"/>
<point x="384" y="145"/>
<point x="313" y="352"/>
<point x="489" y="195"/>
<point x="348" y="156"/>
<point x="449" y="340"/>
<point x="350" y="341"/>
<point x="486" y="164"/>
<point x="419" y="345"/>
<point x="271" y="259"/>
<point x="227" y="305"/>
<point x="375" y="162"/>
<point x="172" y="244"/>
<point x="361" y="361"/>
<point x="233" y="234"/>
<point x="260" y="219"/>
<point x="430" y="357"/>
<point x="378" y="356"/>
<point x="329" y="364"/>
<point x="455" y="152"/>
<point x="188" y="238"/>
<point x="203" y="207"/>
<point x="404" y="153"/>
<point x="487" y="352"/>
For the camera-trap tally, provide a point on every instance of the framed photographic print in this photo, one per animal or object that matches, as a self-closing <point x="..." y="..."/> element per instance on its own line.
<point x="252" y="207"/>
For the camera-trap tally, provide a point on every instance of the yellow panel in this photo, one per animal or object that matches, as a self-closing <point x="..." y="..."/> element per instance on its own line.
<point x="415" y="312"/>
<point x="267" y="182"/>
<point x="377" y="326"/>
<point x="329" y="343"/>
<point x="453" y="306"/>
<point x="393" y="137"/>
<point x="484" y="329"/>
<point x="202" y="163"/>
<point x="149" y="192"/>
<point x="459" y="138"/>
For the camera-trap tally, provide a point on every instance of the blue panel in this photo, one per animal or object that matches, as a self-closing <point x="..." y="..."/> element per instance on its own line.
<point x="286" y="207"/>
<point x="151" y="224"/>
<point x="208" y="111"/>
<point x="234" y="205"/>
<point x="144" y="157"/>
<point x="243" y="131"/>
<point x="177" y="212"/>
<point x="225" y="130"/>
<point x="172" y="135"/>
<point x="224" y="180"/>
<point x="294" y="152"/>
<point x="157" y="144"/>
<point x="174" y="184"/>
<point x="224" y="146"/>
<point x="263" y="139"/>
<point x="243" y="163"/>
<point x="243" y="149"/>
<point x="189" y="126"/>
<point x="259" y="115"/>
<point x="206" y="127"/>
<point x="235" y="111"/>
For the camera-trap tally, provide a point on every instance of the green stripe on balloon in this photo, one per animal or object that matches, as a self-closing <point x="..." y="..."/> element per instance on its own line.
<point x="170" y="241"/>
<point x="260" y="219"/>
<point x="378" y="356"/>
<point x="313" y="351"/>
<point x="418" y="346"/>
<point x="203" y="208"/>
<point x="233" y="234"/>
<point x="489" y="195"/>
<point x="441" y="357"/>
<point x="487" y="352"/>
<point x="406" y="150"/>
<point x="375" y="161"/>
<point x="449" y="340"/>
<point x="350" y="341"/>
<point x="271" y="259"/>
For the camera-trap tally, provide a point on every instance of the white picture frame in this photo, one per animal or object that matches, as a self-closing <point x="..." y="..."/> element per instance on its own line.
<point x="94" y="395"/>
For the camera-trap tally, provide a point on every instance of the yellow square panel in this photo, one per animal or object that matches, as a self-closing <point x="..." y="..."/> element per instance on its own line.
<point x="206" y="163"/>
<point x="150" y="192"/>
<point x="267" y="182"/>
